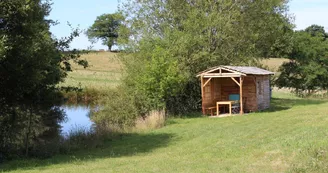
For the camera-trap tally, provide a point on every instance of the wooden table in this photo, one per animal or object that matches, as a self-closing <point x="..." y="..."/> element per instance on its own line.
<point x="223" y="103"/>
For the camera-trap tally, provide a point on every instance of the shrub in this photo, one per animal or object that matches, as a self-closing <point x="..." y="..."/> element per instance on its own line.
<point x="116" y="111"/>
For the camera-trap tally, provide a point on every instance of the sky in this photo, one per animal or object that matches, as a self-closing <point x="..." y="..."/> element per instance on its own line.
<point x="82" y="14"/>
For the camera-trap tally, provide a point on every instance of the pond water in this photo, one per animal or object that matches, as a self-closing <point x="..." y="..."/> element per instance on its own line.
<point x="77" y="117"/>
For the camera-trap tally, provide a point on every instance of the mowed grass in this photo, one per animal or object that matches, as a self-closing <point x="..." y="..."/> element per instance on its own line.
<point x="104" y="72"/>
<point x="292" y="136"/>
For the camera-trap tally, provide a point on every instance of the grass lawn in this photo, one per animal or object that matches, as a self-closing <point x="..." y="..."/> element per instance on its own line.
<point x="105" y="71"/>
<point x="290" y="137"/>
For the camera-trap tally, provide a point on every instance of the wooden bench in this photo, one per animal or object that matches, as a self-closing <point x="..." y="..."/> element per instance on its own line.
<point x="211" y="110"/>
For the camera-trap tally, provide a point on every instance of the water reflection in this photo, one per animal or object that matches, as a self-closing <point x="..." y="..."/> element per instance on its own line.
<point x="77" y="117"/>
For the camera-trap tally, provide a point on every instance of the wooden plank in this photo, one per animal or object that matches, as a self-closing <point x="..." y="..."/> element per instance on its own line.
<point x="212" y="90"/>
<point x="233" y="71"/>
<point x="230" y="108"/>
<point x="207" y="82"/>
<point x="206" y="72"/>
<point x="254" y="79"/>
<point x="241" y="79"/>
<point x="212" y="70"/>
<point x="235" y="81"/>
<point x="217" y="75"/>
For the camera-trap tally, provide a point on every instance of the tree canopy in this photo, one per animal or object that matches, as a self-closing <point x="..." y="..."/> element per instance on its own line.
<point x="317" y="31"/>
<point x="307" y="69"/>
<point x="105" y="28"/>
<point x="32" y="63"/>
<point x="190" y="36"/>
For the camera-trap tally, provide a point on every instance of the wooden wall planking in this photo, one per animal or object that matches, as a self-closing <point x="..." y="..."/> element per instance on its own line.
<point x="218" y="89"/>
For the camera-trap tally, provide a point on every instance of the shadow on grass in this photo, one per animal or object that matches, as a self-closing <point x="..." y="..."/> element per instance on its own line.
<point x="124" y="145"/>
<point x="279" y="104"/>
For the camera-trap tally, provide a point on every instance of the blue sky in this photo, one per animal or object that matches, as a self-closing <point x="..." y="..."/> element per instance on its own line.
<point x="82" y="13"/>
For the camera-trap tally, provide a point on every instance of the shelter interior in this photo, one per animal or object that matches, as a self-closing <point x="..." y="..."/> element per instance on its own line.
<point x="221" y="83"/>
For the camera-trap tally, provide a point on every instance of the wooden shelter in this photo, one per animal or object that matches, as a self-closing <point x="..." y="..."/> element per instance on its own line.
<point x="250" y="84"/>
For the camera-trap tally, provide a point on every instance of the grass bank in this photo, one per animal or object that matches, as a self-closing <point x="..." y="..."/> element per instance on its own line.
<point x="104" y="73"/>
<point x="289" y="137"/>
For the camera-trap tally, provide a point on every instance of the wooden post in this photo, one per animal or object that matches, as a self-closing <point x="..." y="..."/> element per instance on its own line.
<point x="212" y="90"/>
<point x="202" y="87"/>
<point x="241" y="79"/>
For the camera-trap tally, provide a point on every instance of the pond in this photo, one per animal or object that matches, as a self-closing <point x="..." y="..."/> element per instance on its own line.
<point x="77" y="118"/>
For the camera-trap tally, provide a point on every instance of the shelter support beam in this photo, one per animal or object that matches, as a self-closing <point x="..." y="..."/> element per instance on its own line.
<point x="241" y="80"/>
<point x="207" y="82"/>
<point x="202" y="88"/>
<point x="236" y="81"/>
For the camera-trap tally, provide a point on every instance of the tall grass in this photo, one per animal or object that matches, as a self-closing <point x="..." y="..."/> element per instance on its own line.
<point x="79" y="138"/>
<point x="153" y="120"/>
<point x="85" y="96"/>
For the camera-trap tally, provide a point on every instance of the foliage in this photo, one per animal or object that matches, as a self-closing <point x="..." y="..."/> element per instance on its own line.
<point x="169" y="42"/>
<point x="106" y="28"/>
<point x="317" y="31"/>
<point x="115" y="112"/>
<point x="307" y="69"/>
<point x="31" y="65"/>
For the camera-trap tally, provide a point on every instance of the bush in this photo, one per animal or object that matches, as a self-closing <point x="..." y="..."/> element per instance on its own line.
<point x="116" y="111"/>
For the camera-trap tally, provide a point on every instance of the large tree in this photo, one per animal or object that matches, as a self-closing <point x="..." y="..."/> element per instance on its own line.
<point x="307" y="68"/>
<point x="190" y="36"/>
<point x="105" y="28"/>
<point x="317" y="31"/>
<point x="31" y="66"/>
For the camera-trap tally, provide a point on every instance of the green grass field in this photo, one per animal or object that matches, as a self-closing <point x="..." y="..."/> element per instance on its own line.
<point x="105" y="71"/>
<point x="290" y="137"/>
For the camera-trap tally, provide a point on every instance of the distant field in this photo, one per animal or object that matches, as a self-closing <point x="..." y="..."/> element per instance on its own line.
<point x="274" y="63"/>
<point x="105" y="71"/>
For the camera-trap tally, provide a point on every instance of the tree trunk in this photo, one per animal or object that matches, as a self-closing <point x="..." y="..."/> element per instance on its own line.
<point x="110" y="44"/>
<point x="110" y="47"/>
<point x="28" y="133"/>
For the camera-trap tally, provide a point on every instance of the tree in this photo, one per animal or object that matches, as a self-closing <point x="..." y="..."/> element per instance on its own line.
<point x="307" y="69"/>
<point x="106" y="29"/>
<point x="31" y="66"/>
<point x="317" y="31"/>
<point x="192" y="36"/>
